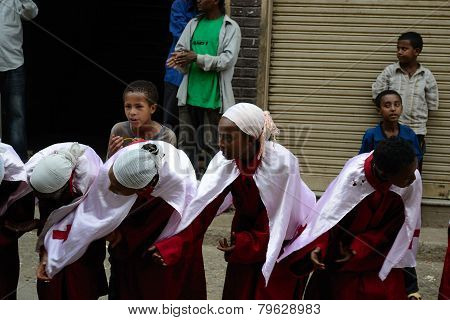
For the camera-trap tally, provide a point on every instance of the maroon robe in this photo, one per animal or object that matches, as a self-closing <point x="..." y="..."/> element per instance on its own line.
<point x="84" y="279"/>
<point x="244" y="278"/>
<point x="444" y="289"/>
<point x="369" y="229"/>
<point x="134" y="274"/>
<point x="20" y="211"/>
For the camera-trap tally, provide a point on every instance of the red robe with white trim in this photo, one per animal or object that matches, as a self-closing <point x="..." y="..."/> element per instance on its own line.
<point x="84" y="279"/>
<point x="244" y="279"/>
<point x="135" y="275"/>
<point x="369" y="229"/>
<point x="444" y="289"/>
<point x="21" y="210"/>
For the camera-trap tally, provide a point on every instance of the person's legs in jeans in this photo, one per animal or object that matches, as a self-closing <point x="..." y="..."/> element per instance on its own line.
<point x="210" y="135"/>
<point x="12" y="90"/>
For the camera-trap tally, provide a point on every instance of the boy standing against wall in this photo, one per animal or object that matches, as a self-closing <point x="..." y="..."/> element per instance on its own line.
<point x="418" y="89"/>
<point x="415" y="84"/>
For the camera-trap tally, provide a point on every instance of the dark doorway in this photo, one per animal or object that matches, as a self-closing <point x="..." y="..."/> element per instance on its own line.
<point x="75" y="88"/>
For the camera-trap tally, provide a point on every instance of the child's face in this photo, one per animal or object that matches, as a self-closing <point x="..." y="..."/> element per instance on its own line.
<point x="390" y="107"/>
<point x="404" y="177"/>
<point x="137" y="109"/>
<point x="233" y="143"/>
<point x="406" y="53"/>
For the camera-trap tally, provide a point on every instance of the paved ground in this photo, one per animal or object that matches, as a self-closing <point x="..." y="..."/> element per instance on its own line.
<point x="434" y="241"/>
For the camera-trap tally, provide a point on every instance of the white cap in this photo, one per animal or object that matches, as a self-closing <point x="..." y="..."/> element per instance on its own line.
<point x="53" y="171"/>
<point x="136" y="168"/>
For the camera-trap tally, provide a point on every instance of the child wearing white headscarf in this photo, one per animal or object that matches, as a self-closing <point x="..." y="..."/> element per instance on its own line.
<point x="271" y="202"/>
<point x="16" y="217"/>
<point x="139" y="195"/>
<point x="61" y="177"/>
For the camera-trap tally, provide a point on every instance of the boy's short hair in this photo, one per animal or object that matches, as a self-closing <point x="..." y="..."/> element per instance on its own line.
<point x="147" y="88"/>
<point x="413" y="37"/>
<point x="385" y="93"/>
<point x="392" y="155"/>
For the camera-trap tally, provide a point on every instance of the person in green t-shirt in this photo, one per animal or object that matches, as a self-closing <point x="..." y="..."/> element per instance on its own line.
<point x="206" y="52"/>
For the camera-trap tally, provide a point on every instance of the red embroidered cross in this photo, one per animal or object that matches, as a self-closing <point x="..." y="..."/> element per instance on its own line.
<point x="62" y="235"/>
<point x="415" y="235"/>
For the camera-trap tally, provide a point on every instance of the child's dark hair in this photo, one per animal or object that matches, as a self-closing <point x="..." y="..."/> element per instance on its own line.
<point x="413" y="37"/>
<point x="147" y="88"/>
<point x="385" y="93"/>
<point x="392" y="155"/>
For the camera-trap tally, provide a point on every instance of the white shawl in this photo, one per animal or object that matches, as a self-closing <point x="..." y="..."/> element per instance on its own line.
<point x="14" y="171"/>
<point x="103" y="211"/>
<point x="286" y="197"/>
<point x="86" y="171"/>
<point x="342" y="196"/>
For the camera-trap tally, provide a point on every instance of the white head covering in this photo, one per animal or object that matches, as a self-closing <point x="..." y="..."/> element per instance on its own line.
<point x="53" y="171"/>
<point x="253" y="122"/>
<point x="136" y="168"/>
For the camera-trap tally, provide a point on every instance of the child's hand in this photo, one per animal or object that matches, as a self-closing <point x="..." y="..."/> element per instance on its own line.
<point x="156" y="256"/>
<point x="172" y="61"/>
<point x="186" y="57"/>
<point x="315" y="258"/>
<point x="181" y="59"/>
<point x="115" y="144"/>
<point x="41" y="274"/>
<point x="223" y="244"/>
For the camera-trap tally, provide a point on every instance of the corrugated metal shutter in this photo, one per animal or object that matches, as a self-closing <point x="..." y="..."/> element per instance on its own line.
<point x="325" y="56"/>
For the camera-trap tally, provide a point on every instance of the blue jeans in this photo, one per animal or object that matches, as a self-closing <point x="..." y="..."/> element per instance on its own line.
<point x="12" y="91"/>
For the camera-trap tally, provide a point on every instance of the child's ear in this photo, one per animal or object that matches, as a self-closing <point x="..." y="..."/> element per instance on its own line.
<point x="417" y="51"/>
<point x="153" y="108"/>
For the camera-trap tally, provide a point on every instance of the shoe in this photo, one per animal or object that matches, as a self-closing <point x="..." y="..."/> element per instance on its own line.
<point x="415" y="296"/>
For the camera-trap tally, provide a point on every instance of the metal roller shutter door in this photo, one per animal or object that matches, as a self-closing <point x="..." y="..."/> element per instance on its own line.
<point x="324" y="57"/>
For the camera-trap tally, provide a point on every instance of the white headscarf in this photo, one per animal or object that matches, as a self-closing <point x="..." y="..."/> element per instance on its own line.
<point x="253" y="122"/>
<point x="136" y="169"/>
<point x="54" y="171"/>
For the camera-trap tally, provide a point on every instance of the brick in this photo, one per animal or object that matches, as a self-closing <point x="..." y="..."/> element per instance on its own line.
<point x="246" y="3"/>
<point x="249" y="43"/>
<point x="246" y="12"/>
<point x="247" y="22"/>
<point x="244" y="82"/>
<point x="246" y="100"/>
<point x="245" y="72"/>
<point x="247" y="62"/>
<point x="249" y="53"/>
<point x="250" y="32"/>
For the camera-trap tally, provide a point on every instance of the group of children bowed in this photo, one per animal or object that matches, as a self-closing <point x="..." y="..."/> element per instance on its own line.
<point x="356" y="242"/>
